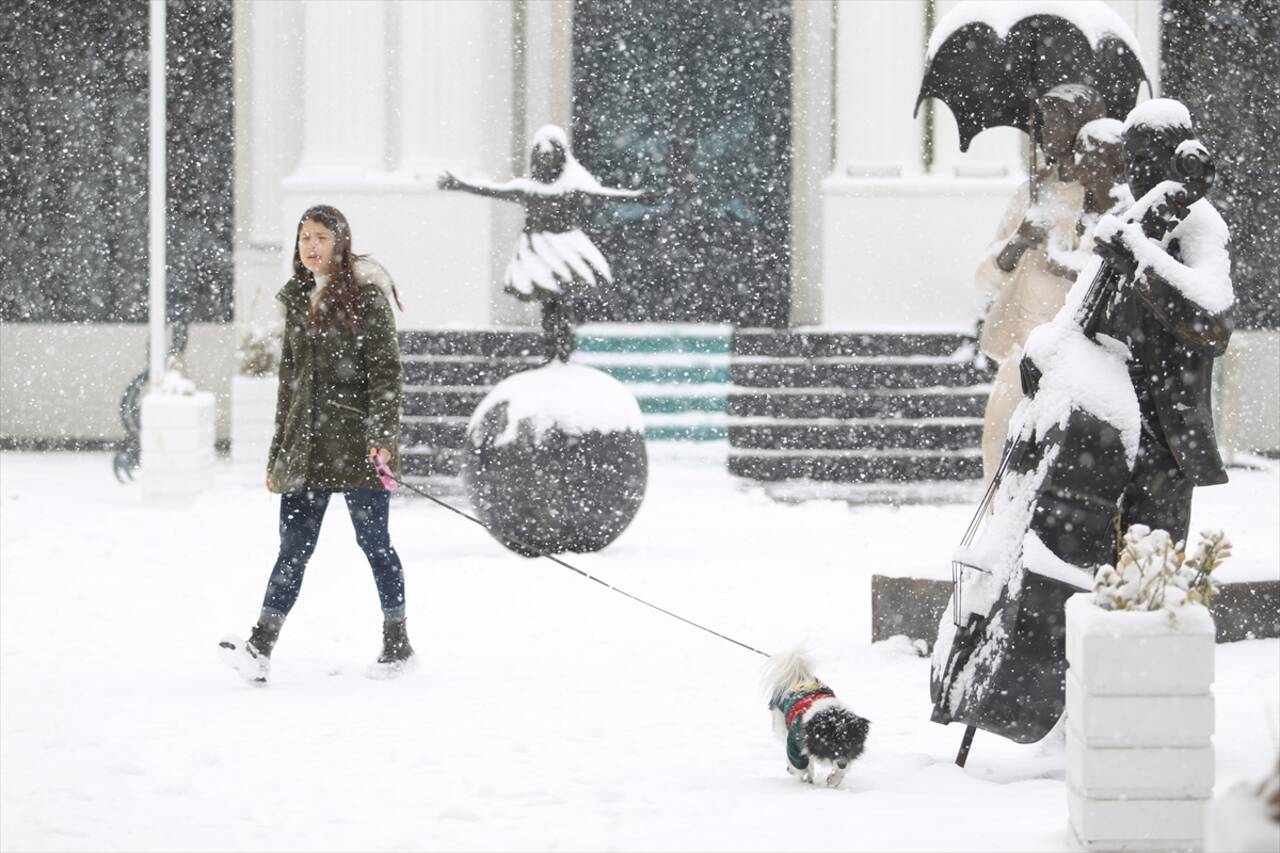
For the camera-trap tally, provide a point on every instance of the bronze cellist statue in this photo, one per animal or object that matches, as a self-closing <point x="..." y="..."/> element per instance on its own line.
<point x="1179" y="322"/>
<point x="1115" y="429"/>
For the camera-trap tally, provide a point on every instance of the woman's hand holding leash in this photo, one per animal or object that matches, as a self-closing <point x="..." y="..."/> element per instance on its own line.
<point x="379" y="457"/>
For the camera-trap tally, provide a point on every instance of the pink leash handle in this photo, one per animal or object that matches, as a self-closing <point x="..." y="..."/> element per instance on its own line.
<point x="384" y="474"/>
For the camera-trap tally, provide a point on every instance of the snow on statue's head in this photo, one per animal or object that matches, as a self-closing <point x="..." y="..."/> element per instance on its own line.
<point x="1099" y="132"/>
<point x="548" y="154"/>
<point x="551" y="161"/>
<point x="1153" y="131"/>
<point x="1061" y="112"/>
<point x="1099" y="154"/>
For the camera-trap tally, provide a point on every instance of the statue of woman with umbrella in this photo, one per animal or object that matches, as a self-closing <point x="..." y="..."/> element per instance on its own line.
<point x="1046" y="68"/>
<point x="1022" y="273"/>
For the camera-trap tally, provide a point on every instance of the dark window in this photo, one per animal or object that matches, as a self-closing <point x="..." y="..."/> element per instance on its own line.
<point x="1222" y="59"/>
<point x="690" y="98"/>
<point x="73" y="173"/>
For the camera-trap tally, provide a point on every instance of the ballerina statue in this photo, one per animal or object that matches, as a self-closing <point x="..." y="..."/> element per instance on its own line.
<point x="553" y="258"/>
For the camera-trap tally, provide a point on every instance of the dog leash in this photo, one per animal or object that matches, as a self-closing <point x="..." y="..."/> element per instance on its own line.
<point x="391" y="481"/>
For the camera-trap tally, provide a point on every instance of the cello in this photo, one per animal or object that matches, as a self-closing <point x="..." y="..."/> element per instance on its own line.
<point x="1046" y="521"/>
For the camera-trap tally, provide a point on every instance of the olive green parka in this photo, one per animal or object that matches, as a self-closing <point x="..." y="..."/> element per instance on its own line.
<point x="339" y="392"/>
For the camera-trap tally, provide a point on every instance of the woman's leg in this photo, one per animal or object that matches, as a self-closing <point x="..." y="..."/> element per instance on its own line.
<point x="300" y="516"/>
<point x="369" y="510"/>
<point x="301" y="513"/>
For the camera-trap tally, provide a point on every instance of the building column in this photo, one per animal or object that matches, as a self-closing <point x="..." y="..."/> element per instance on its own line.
<point x="879" y="63"/>
<point x="442" y="76"/>
<point x="268" y="144"/>
<point x="813" y="49"/>
<point x="453" y="107"/>
<point x="899" y="244"/>
<point x="344" y="101"/>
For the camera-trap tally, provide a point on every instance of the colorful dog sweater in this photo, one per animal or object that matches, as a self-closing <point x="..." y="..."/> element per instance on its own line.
<point x="793" y="704"/>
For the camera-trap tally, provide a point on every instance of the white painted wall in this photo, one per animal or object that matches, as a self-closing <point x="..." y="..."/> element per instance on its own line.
<point x="62" y="381"/>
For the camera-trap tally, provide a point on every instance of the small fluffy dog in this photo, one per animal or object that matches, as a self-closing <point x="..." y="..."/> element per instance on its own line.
<point x="815" y="725"/>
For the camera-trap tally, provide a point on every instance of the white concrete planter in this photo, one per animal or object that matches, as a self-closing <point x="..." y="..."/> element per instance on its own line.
<point x="253" y="413"/>
<point x="177" y="439"/>
<point x="1140" y="719"/>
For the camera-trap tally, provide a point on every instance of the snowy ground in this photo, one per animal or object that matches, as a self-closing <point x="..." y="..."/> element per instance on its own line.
<point x="549" y="713"/>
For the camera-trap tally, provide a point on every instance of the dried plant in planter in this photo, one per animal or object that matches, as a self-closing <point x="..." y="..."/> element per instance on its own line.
<point x="1154" y="573"/>
<point x="259" y="350"/>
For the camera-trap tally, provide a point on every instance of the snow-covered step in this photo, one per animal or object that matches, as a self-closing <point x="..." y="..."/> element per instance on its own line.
<point x="857" y="372"/>
<point x="462" y="370"/>
<point x="492" y="342"/>
<point x="812" y="341"/>
<point x="857" y="466"/>
<point x="856" y="406"/>
<point x="665" y="338"/>
<point x="868" y="434"/>
<point x="961" y="401"/>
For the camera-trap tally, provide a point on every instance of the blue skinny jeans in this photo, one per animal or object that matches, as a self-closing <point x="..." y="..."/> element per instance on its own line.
<point x="301" y="513"/>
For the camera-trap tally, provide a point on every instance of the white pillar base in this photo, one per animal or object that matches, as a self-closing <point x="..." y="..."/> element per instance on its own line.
<point x="1139" y="726"/>
<point x="177" y="446"/>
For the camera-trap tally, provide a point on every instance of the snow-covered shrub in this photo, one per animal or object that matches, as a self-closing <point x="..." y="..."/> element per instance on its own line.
<point x="259" y="349"/>
<point x="1154" y="573"/>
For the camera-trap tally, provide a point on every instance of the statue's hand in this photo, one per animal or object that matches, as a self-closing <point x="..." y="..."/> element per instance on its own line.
<point x="1119" y="255"/>
<point x="1032" y="231"/>
<point x="447" y="181"/>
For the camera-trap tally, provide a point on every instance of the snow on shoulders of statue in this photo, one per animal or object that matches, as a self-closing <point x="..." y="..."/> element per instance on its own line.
<point x="1205" y="275"/>
<point x="1086" y="374"/>
<point x="573" y="398"/>
<point x="1093" y="19"/>
<point x="1203" y="236"/>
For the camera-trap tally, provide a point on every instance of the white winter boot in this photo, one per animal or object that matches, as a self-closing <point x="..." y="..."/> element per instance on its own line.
<point x="252" y="658"/>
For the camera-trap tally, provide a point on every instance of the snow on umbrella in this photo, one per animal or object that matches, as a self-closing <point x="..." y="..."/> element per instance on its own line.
<point x="990" y="61"/>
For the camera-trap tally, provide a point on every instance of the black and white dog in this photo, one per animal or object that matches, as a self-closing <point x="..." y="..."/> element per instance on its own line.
<point x="815" y="725"/>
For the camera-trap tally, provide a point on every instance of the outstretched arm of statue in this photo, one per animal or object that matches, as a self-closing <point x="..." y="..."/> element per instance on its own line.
<point x="642" y="196"/>
<point x="513" y="190"/>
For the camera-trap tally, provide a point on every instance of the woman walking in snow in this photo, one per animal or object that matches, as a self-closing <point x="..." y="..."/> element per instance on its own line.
<point x="553" y="258"/>
<point x="337" y="412"/>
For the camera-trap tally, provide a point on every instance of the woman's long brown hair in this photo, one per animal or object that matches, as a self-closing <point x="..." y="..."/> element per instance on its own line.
<point x="338" y="301"/>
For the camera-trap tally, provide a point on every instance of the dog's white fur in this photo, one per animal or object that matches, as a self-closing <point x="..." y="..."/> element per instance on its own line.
<point x="784" y="672"/>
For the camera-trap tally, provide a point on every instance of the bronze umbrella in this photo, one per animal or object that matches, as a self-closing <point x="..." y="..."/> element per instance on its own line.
<point x="989" y="62"/>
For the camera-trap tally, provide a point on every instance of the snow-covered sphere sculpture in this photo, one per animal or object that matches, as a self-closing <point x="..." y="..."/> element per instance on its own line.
<point x="556" y="459"/>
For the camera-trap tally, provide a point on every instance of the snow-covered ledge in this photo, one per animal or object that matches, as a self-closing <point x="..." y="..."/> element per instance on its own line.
<point x="1140" y="718"/>
<point x="177" y="441"/>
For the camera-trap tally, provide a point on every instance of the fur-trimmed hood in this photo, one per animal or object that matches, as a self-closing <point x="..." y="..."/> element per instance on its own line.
<point x="369" y="271"/>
